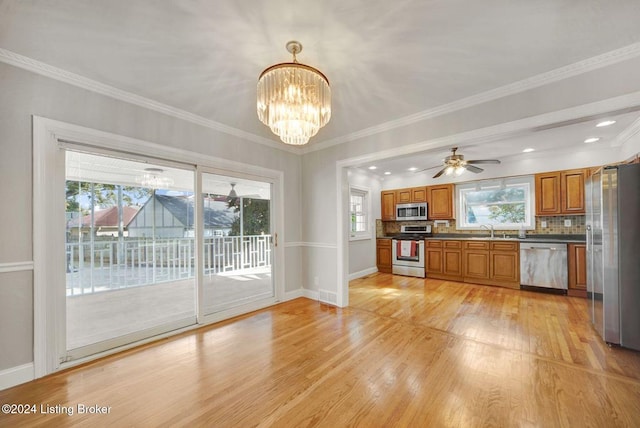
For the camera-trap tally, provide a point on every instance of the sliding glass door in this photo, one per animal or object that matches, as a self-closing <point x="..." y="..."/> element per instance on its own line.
<point x="130" y="251"/>
<point x="237" y="242"/>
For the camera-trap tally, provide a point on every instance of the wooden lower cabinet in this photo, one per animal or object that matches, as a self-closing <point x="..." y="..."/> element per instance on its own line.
<point x="433" y="259"/>
<point x="452" y="259"/>
<point x="476" y="261"/>
<point x="479" y="262"/>
<point x="443" y="259"/>
<point x="492" y="263"/>
<point x="577" y="265"/>
<point x="383" y="255"/>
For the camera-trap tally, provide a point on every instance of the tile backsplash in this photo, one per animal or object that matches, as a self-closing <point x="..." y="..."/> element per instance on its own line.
<point x="555" y="226"/>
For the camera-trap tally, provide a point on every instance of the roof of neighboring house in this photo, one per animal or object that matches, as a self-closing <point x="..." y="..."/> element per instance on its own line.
<point x="107" y="217"/>
<point x="217" y="214"/>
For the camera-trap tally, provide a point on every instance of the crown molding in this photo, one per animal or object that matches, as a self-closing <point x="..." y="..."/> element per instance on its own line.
<point x="575" y="69"/>
<point x="79" y="81"/>
<point x="628" y="133"/>
<point x="500" y="131"/>
<point x="572" y="70"/>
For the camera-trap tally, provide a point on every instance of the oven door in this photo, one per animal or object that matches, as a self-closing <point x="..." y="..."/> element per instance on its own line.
<point x="408" y="257"/>
<point x="406" y="252"/>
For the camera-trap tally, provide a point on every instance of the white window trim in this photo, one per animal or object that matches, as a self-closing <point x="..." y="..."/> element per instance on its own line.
<point x="360" y="236"/>
<point x="530" y="206"/>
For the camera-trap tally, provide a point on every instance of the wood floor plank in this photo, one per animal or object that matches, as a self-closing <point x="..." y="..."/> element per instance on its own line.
<point x="407" y="352"/>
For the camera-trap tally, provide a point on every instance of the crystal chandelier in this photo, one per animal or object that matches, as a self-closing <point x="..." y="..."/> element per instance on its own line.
<point x="294" y="99"/>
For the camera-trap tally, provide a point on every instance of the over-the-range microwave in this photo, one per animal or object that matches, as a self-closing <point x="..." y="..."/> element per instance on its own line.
<point x="417" y="211"/>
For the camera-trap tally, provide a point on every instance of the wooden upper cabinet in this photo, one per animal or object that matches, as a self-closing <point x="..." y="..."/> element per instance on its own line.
<point x="388" y="205"/>
<point x="403" y="196"/>
<point x="411" y="194"/>
<point x="572" y="191"/>
<point x="560" y="192"/>
<point x="418" y="194"/>
<point x="548" y="194"/>
<point x="440" y="199"/>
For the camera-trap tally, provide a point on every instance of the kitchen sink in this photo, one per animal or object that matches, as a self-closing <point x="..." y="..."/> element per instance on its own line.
<point x="495" y="238"/>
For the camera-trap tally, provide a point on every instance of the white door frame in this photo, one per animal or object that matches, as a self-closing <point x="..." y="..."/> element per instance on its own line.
<point x="48" y="223"/>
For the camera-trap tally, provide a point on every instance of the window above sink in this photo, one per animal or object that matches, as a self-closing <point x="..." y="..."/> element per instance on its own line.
<point x="503" y="204"/>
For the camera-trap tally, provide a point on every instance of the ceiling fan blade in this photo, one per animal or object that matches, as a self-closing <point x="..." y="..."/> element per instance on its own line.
<point x="427" y="169"/>
<point x="473" y="168"/>
<point x="440" y="172"/>
<point x="477" y="161"/>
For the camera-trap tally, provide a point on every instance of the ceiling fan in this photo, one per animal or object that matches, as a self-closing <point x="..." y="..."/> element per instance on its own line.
<point x="455" y="164"/>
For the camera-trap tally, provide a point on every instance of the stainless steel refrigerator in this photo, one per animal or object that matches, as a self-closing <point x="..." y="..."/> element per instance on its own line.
<point x="613" y="253"/>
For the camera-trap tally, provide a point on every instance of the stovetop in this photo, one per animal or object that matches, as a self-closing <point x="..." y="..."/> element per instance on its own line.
<point x="412" y="236"/>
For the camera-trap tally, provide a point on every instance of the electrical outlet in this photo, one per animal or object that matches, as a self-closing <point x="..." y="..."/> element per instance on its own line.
<point x="567" y="223"/>
<point x="316" y="280"/>
<point x="543" y="224"/>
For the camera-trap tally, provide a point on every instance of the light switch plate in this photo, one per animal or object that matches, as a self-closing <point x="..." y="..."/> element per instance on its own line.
<point x="567" y="223"/>
<point x="543" y="223"/>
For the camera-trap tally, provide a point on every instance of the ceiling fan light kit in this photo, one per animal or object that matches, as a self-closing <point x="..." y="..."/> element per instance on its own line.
<point x="456" y="165"/>
<point x="294" y="99"/>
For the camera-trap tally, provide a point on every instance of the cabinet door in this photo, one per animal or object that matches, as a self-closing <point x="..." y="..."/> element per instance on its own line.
<point x="548" y="194"/>
<point x="577" y="265"/>
<point x="419" y="194"/>
<point x="505" y="266"/>
<point x="440" y="202"/>
<point x="403" y="196"/>
<point x="476" y="264"/>
<point x="388" y="205"/>
<point x="572" y="191"/>
<point x="452" y="262"/>
<point x="383" y="255"/>
<point x="433" y="262"/>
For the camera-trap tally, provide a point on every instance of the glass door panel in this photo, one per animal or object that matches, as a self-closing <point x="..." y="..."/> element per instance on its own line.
<point x="237" y="250"/>
<point x="130" y="251"/>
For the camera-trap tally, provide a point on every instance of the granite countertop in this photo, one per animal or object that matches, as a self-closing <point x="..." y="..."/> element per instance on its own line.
<point x="498" y="237"/>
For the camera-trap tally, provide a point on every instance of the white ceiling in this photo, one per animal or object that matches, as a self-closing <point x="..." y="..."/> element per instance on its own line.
<point x="385" y="60"/>
<point x="561" y="140"/>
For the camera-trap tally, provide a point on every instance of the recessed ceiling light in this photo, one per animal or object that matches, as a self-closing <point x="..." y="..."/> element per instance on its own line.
<point x="605" y="123"/>
<point x="528" y="150"/>
<point x="592" y="140"/>
<point x="413" y="168"/>
<point x="387" y="173"/>
<point x="372" y="167"/>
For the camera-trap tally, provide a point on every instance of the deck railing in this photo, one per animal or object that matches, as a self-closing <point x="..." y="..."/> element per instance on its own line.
<point x="112" y="264"/>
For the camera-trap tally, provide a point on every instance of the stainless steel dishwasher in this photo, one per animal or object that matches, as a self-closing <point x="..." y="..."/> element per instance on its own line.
<point x="543" y="264"/>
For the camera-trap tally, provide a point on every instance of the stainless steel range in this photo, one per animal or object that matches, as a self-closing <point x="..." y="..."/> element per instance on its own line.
<point x="408" y="250"/>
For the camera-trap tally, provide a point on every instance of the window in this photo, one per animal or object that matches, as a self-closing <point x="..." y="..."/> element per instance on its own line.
<point x="506" y="204"/>
<point x="359" y="213"/>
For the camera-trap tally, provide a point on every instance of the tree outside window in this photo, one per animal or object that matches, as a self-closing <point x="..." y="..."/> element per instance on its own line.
<point x="504" y="204"/>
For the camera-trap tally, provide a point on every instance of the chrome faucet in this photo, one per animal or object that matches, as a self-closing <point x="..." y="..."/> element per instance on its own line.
<point x="488" y="227"/>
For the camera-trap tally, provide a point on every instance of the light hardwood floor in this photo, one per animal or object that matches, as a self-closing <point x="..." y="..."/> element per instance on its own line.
<point x="407" y="352"/>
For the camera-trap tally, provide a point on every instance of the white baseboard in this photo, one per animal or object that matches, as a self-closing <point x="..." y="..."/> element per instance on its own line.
<point x="311" y="294"/>
<point x="362" y="273"/>
<point x="290" y="295"/>
<point x="16" y="375"/>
